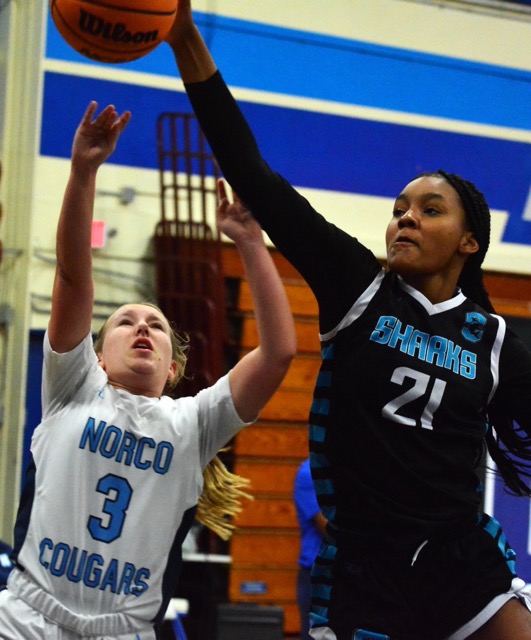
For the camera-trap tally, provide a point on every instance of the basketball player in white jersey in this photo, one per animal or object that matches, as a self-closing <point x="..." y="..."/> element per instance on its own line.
<point x="116" y="471"/>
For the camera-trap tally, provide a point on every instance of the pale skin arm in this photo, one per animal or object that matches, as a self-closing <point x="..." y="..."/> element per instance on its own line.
<point x="73" y="291"/>
<point x="258" y="374"/>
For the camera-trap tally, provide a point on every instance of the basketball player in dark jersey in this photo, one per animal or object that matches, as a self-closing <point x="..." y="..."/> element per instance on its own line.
<point x="418" y="374"/>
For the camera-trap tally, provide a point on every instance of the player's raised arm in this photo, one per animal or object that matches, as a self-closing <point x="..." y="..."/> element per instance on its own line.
<point x="258" y="374"/>
<point x="72" y="299"/>
<point x="191" y="53"/>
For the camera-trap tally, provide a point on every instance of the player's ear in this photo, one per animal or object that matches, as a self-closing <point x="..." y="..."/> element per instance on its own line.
<point x="172" y="371"/>
<point x="468" y="244"/>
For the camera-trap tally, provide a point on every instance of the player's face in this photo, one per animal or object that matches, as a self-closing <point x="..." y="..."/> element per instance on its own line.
<point x="137" y="350"/>
<point x="427" y="234"/>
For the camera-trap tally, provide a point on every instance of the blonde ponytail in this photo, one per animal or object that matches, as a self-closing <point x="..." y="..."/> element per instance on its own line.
<point x="221" y="498"/>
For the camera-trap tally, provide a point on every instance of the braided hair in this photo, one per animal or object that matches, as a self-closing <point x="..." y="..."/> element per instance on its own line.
<point x="505" y="439"/>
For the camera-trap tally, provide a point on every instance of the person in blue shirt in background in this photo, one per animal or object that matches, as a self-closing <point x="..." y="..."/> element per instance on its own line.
<point x="5" y="563"/>
<point x="312" y="525"/>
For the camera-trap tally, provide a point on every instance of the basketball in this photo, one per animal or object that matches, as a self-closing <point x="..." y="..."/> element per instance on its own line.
<point x="113" y="31"/>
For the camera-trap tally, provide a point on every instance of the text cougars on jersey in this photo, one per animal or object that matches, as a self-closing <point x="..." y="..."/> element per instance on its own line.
<point x="419" y="344"/>
<point x="125" y="448"/>
<point x="77" y="565"/>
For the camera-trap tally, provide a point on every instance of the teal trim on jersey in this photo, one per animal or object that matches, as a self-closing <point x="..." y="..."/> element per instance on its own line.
<point x="320" y="406"/>
<point x="322" y="571"/>
<point x="329" y="552"/>
<point x="323" y="487"/>
<point x="316" y="66"/>
<point x="324" y="379"/>
<point x="321" y="590"/>
<point x="327" y="353"/>
<point x="329" y="512"/>
<point x="319" y="461"/>
<point x="363" y="634"/>
<point x="317" y="434"/>
<point x="318" y="616"/>
<point x="493" y="528"/>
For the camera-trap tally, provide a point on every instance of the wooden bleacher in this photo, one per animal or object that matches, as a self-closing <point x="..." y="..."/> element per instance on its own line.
<point x="265" y="545"/>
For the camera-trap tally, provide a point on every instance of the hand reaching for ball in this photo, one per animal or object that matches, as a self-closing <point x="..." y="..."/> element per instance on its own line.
<point x="96" y="136"/>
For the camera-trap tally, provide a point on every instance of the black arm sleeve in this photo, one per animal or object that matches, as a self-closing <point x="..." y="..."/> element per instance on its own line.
<point x="336" y="266"/>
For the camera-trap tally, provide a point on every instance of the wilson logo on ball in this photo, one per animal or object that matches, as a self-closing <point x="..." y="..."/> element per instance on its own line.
<point x="113" y="31"/>
<point x="98" y="27"/>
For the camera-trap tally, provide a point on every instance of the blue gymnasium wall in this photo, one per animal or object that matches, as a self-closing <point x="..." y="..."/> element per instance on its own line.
<point x="322" y="146"/>
<point x="322" y="150"/>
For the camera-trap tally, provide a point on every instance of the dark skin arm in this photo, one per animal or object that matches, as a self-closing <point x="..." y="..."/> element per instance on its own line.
<point x="191" y="53"/>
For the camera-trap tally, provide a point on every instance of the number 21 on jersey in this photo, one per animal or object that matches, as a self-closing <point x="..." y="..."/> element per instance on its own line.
<point x="423" y="386"/>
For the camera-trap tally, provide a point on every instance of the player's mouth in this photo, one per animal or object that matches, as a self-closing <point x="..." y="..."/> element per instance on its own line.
<point x="404" y="241"/>
<point x="143" y="345"/>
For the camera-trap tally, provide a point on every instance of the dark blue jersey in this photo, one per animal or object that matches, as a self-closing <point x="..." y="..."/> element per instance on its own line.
<point x="401" y="403"/>
<point x="400" y="411"/>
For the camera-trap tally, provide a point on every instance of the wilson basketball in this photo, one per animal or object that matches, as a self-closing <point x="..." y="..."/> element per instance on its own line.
<point x="113" y="31"/>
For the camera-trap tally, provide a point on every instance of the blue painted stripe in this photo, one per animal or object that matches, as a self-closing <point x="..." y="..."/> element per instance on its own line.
<point x="325" y="159"/>
<point x="347" y="71"/>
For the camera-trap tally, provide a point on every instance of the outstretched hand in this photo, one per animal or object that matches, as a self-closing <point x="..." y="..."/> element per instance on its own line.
<point x="96" y="137"/>
<point x="183" y="20"/>
<point x="235" y="220"/>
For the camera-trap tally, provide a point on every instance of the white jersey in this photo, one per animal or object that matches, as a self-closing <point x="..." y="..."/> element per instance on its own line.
<point x="101" y="526"/>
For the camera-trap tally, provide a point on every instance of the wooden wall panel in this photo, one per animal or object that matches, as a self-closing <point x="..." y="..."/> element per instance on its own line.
<point x="290" y="405"/>
<point x="271" y="511"/>
<point x="303" y="372"/>
<point x="270" y="477"/>
<point x="291" y="617"/>
<point x="267" y="549"/>
<point x="273" y="439"/>
<point x="301" y="299"/>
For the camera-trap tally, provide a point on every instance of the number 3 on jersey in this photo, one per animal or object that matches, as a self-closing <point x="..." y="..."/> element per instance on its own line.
<point x="119" y="494"/>
<point x="420" y="388"/>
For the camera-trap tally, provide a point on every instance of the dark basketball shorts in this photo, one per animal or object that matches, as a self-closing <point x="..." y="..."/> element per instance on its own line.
<point x="427" y="591"/>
